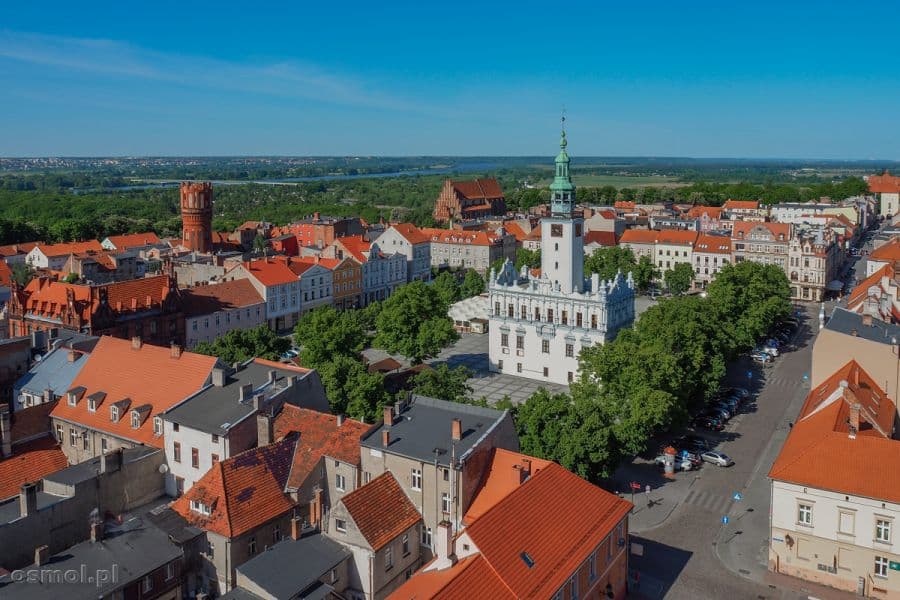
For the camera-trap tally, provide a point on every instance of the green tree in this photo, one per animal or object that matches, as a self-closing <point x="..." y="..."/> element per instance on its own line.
<point x="414" y="322"/>
<point x="472" y="285"/>
<point x="444" y="383"/>
<point x="645" y="272"/>
<point x="71" y="278"/>
<point x="447" y="288"/>
<point x="527" y="258"/>
<point x="260" y="246"/>
<point x="609" y="261"/>
<point x="679" y="278"/>
<point x="22" y="273"/>
<point x="240" y="345"/>
<point x="352" y="390"/>
<point x="325" y="332"/>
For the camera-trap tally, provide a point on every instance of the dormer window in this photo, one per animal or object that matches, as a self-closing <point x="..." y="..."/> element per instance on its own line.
<point x="135" y="419"/>
<point x="72" y="399"/>
<point x="157" y="426"/>
<point x="200" y="507"/>
<point x="114" y="414"/>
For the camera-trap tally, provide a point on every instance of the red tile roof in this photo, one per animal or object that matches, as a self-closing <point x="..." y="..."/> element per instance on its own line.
<point x="270" y="272"/>
<point x="819" y="451"/>
<point x="5" y="274"/>
<point x="676" y="236"/>
<point x="478" y="188"/>
<point x="776" y="229"/>
<point x="741" y="204"/>
<point x="583" y="516"/>
<point x="329" y="263"/>
<point x="143" y="293"/>
<point x="413" y="234"/>
<point x="604" y="238"/>
<point x="30" y="461"/>
<point x="888" y="252"/>
<point x="146" y="377"/>
<point x="133" y="240"/>
<point x="884" y="184"/>
<point x="242" y="492"/>
<point x="504" y="475"/>
<point x="319" y="436"/>
<point x="48" y="298"/>
<point x="70" y="248"/>
<point x="381" y="510"/>
<point x="466" y="238"/>
<point x="355" y="245"/>
<point x="624" y="204"/>
<point x="712" y="212"/>
<point x="228" y="295"/>
<point x="516" y="230"/>
<point x="713" y="244"/>
<point x="638" y="236"/>
<point x="16" y="249"/>
<point x="861" y="291"/>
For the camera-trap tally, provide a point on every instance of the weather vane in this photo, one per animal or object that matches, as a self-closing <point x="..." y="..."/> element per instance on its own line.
<point x="563" y="119"/>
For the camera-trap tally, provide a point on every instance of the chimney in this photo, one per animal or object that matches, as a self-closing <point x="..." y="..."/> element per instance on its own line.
<point x="28" y="499"/>
<point x="272" y="375"/>
<point x="219" y="376"/>
<point x="96" y="532"/>
<point x="258" y="401"/>
<point x="340" y="420"/>
<point x="853" y="421"/>
<point x="136" y="342"/>
<point x="456" y="430"/>
<point x="526" y="469"/>
<point x="245" y="392"/>
<point x="867" y="320"/>
<point x="265" y="431"/>
<point x="388" y="417"/>
<point x="315" y="508"/>
<point x="175" y="350"/>
<point x="41" y="555"/>
<point x="72" y="356"/>
<point x="444" y="547"/>
<point x="5" y="432"/>
<point x="385" y="438"/>
<point x="296" y="527"/>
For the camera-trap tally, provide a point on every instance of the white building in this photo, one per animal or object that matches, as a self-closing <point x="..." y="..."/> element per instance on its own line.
<point x="278" y="286"/>
<point x="539" y="325"/>
<point x="382" y="273"/>
<point x="410" y="241"/>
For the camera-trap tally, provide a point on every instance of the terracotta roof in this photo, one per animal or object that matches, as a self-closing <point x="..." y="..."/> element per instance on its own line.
<point x="888" y="252"/>
<point x="47" y="298"/>
<point x="16" y="249"/>
<point x="604" y="238"/>
<point x="355" y="245"/>
<point x="583" y="516"/>
<point x="270" y="272"/>
<point x="861" y="291"/>
<point x="5" y="274"/>
<point x="741" y="204"/>
<point x="385" y="365"/>
<point x="478" y="188"/>
<point x="819" y="451"/>
<point x="455" y="583"/>
<point x="143" y="293"/>
<point x="466" y="238"/>
<point x="516" y="230"/>
<point x="535" y="234"/>
<point x="329" y="263"/>
<point x="606" y="213"/>
<point x="638" y="236"/>
<point x="132" y="240"/>
<point x="624" y="204"/>
<point x="242" y="492"/>
<point x="70" y="248"/>
<point x="381" y="510"/>
<point x="713" y="212"/>
<point x="30" y="461"/>
<point x="228" y="295"/>
<point x="146" y="377"/>
<point x="676" y="236"/>
<point x="775" y="229"/>
<point x="319" y="436"/>
<point x="413" y="234"/>
<point x="884" y="184"/>
<point x="713" y="244"/>
<point x="505" y="474"/>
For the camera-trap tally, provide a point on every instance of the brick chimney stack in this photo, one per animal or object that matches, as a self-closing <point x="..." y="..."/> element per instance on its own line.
<point x="385" y="438"/>
<point x="445" y="556"/>
<point x="388" y="416"/>
<point x="853" y="420"/>
<point x="296" y="528"/>
<point x="456" y="430"/>
<point x="72" y="356"/>
<point x="174" y="350"/>
<point x="136" y="342"/>
<point x="265" y="429"/>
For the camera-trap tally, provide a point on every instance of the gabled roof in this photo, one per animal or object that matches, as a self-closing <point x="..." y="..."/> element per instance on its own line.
<point x="270" y="272"/>
<point x="676" y="236"/>
<point x="505" y="474"/>
<point x="355" y="245"/>
<point x="17" y="249"/>
<point x="516" y="230"/>
<point x="776" y="229"/>
<point x="411" y="233"/>
<point x="888" y="252"/>
<point x="861" y="291"/>
<point x="455" y="236"/>
<point x="603" y="238"/>
<point x="819" y="451"/>
<point x="142" y="293"/>
<point x="478" y="188"/>
<point x="133" y="240"/>
<point x="320" y="436"/>
<point x="30" y="461"/>
<point x="713" y="244"/>
<point x="381" y="510"/>
<point x="67" y="248"/>
<point x="884" y="184"/>
<point x="624" y="204"/>
<point x="147" y="376"/>
<point x="242" y="492"/>
<point x="228" y="295"/>
<point x="712" y="212"/>
<point x="741" y="204"/>
<point x="638" y="236"/>
<point x="455" y="583"/>
<point x="5" y="274"/>
<point x="55" y="371"/>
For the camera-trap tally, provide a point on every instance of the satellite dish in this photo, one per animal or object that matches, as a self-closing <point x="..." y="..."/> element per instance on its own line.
<point x="164" y="468"/>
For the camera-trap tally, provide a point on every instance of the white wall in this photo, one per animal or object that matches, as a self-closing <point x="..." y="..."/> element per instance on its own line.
<point x="189" y="438"/>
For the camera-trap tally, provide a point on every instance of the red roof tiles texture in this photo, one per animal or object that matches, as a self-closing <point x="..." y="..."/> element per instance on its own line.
<point x="884" y="184"/>
<point x="479" y="188"/>
<point x="413" y="234"/>
<point x="381" y="510"/>
<point x="270" y="272"/>
<point x="30" y="461"/>
<point x="133" y="240"/>
<point x="228" y="295"/>
<point x="67" y="248"/>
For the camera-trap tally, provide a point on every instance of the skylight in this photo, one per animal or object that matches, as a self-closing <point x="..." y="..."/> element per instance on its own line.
<point x="526" y="558"/>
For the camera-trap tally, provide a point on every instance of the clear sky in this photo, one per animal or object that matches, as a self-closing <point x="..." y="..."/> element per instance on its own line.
<point x="669" y="78"/>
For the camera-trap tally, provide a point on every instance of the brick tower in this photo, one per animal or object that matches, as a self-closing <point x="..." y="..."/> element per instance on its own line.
<point x="196" y="215"/>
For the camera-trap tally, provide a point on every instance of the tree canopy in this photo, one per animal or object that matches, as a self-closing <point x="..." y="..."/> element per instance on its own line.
<point x="679" y="278"/>
<point x="325" y="333"/>
<point x="444" y="383"/>
<point x="413" y="322"/>
<point x="239" y="345"/>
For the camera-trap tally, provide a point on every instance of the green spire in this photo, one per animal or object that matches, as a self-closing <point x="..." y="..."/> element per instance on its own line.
<point x="562" y="190"/>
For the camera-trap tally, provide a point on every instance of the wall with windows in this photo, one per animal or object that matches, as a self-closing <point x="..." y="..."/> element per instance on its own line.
<point x="836" y="539"/>
<point x="206" y="328"/>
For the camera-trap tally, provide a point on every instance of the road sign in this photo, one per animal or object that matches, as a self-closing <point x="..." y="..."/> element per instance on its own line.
<point x="737" y="496"/>
<point x="635" y="485"/>
<point x="725" y="520"/>
<point x="749" y="374"/>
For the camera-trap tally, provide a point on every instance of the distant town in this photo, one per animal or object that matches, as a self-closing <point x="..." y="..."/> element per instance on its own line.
<point x="586" y="396"/>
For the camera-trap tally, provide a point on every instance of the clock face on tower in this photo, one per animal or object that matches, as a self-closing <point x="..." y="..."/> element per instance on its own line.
<point x="556" y="230"/>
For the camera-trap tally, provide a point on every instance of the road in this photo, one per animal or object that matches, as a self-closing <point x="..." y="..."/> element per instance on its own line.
<point x="687" y="552"/>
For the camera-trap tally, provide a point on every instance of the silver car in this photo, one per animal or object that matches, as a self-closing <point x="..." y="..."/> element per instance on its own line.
<point x="717" y="458"/>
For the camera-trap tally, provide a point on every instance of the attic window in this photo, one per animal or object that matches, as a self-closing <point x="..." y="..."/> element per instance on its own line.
<point x="526" y="558"/>
<point x="157" y="426"/>
<point x="199" y="507"/>
<point x="114" y="414"/>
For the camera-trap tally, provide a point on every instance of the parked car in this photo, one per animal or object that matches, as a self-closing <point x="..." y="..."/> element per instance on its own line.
<point x="717" y="413"/>
<point x="737" y="391"/>
<point x="717" y="458"/>
<point x="732" y="408"/>
<point x="762" y="357"/>
<point x="773" y="352"/>
<point x="681" y="464"/>
<point x="710" y="423"/>
<point x="695" y="443"/>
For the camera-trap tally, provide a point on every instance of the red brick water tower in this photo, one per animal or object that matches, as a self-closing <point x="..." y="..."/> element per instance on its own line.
<point x="196" y="215"/>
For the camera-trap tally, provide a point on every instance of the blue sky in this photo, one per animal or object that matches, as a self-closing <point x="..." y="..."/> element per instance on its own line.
<point x="704" y="79"/>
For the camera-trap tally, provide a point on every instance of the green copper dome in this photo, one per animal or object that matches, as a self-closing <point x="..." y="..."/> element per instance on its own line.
<point x="562" y="190"/>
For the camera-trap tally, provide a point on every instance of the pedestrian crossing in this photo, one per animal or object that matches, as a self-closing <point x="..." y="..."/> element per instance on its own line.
<point x="785" y="381"/>
<point x="716" y="503"/>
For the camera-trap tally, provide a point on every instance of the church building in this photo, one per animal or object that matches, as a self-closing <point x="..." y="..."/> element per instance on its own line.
<point x="540" y="323"/>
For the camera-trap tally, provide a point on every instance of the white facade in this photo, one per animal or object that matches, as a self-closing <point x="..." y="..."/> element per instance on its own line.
<point x="206" y="328"/>
<point x="890" y="204"/>
<point x="417" y="253"/>
<point x="316" y="285"/>
<point x="188" y="440"/>
<point x="382" y="274"/>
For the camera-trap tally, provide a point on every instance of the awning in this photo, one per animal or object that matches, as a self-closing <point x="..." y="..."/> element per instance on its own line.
<point x="836" y="285"/>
